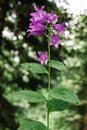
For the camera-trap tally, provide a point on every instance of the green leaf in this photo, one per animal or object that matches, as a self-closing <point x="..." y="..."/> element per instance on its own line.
<point x="27" y="124"/>
<point x="57" y="105"/>
<point x="23" y="121"/>
<point x="34" y="67"/>
<point x="57" y="65"/>
<point x="28" y="95"/>
<point x="65" y="95"/>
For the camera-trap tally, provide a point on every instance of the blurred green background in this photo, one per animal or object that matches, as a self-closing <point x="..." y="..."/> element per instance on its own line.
<point x="16" y="48"/>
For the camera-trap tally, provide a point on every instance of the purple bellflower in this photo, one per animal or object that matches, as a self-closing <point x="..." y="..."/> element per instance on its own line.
<point x="36" y="29"/>
<point x="60" y="28"/>
<point x="43" y="57"/>
<point x="55" y="40"/>
<point x="52" y="18"/>
<point x="39" y="16"/>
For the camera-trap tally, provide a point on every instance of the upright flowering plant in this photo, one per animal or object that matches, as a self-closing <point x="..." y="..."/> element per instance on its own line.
<point x="59" y="99"/>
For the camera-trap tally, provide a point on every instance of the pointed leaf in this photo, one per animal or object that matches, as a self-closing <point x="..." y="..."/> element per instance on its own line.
<point x="23" y="121"/>
<point x="57" y="65"/>
<point x="57" y="105"/>
<point x="34" y="67"/>
<point x="32" y="125"/>
<point x="65" y="95"/>
<point x="28" y="95"/>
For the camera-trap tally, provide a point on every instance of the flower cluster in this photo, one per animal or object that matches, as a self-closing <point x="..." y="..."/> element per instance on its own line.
<point x="39" y="21"/>
<point x="37" y="25"/>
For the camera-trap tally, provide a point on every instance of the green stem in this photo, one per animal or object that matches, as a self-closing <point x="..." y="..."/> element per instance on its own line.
<point x="48" y="86"/>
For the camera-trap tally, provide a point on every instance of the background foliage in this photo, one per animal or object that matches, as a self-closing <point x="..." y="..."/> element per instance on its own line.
<point x="16" y="48"/>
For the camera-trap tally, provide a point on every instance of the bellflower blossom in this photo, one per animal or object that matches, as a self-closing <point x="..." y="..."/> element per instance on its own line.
<point x="60" y="28"/>
<point x="36" y="29"/>
<point x="43" y="57"/>
<point x="54" y="40"/>
<point x="52" y="18"/>
<point x="40" y="15"/>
